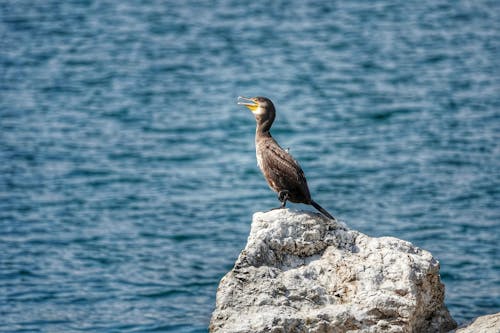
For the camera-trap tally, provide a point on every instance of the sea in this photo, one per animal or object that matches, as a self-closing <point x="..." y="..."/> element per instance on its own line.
<point x="128" y="176"/>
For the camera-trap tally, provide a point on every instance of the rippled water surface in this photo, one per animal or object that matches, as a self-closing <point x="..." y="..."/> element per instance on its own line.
<point x="127" y="173"/>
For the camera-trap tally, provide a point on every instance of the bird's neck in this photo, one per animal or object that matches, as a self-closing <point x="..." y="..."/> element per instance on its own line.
<point x="263" y="128"/>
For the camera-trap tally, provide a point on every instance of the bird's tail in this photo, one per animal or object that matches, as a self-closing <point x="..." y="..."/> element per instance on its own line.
<point x="322" y="210"/>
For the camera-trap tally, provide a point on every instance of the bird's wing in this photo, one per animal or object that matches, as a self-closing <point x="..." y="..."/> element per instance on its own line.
<point x="283" y="168"/>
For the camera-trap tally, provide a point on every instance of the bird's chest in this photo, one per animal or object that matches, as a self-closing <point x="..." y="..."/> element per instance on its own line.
<point x="258" y="154"/>
<point x="266" y="171"/>
<point x="261" y="153"/>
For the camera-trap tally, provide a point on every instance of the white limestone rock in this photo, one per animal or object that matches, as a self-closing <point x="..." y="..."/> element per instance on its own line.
<point x="483" y="324"/>
<point x="301" y="272"/>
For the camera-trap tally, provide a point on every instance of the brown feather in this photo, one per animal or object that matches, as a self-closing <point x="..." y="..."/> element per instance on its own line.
<point x="282" y="171"/>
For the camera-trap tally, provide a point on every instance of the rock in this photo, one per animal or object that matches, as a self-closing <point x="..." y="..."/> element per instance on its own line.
<point x="484" y="324"/>
<point x="301" y="272"/>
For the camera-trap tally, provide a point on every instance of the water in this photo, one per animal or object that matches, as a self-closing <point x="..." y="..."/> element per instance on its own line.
<point x="127" y="172"/>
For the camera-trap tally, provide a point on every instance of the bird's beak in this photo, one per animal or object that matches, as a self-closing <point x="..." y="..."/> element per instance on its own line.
<point x="248" y="102"/>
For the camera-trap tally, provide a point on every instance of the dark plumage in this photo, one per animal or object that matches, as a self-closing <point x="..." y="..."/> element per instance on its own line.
<point x="282" y="172"/>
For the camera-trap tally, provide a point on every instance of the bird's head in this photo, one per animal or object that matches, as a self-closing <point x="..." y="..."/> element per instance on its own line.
<point x="261" y="107"/>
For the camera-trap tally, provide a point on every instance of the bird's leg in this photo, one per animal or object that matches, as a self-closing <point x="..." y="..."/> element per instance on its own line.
<point x="283" y="197"/>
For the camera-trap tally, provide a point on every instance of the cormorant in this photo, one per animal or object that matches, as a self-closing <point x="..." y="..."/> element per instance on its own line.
<point x="282" y="172"/>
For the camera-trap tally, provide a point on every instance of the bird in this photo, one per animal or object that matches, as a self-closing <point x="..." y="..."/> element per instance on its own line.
<point x="281" y="171"/>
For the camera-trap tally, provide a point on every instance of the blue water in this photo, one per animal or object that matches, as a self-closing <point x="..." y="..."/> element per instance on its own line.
<point x="127" y="172"/>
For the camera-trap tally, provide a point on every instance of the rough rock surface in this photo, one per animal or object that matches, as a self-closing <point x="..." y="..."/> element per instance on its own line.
<point x="301" y="272"/>
<point x="483" y="324"/>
